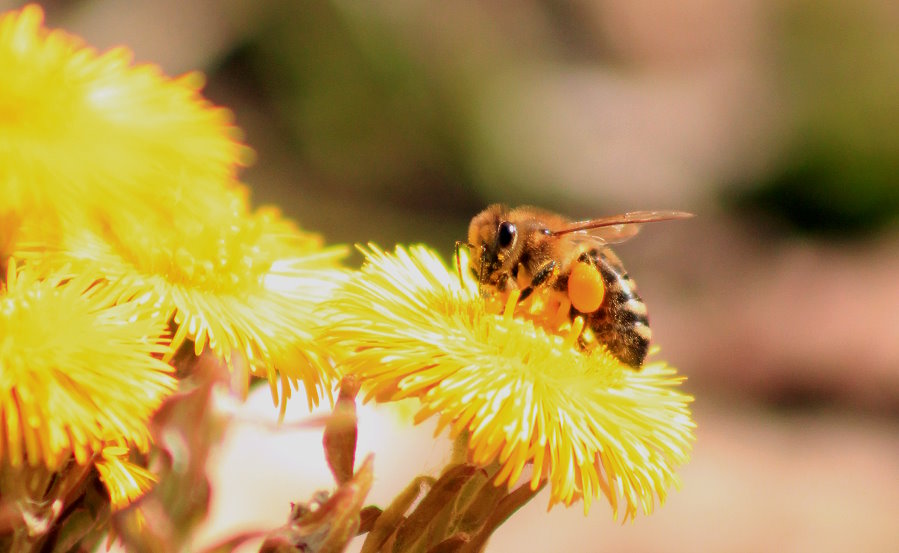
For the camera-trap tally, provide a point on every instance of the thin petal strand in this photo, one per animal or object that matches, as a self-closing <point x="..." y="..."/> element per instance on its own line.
<point x="125" y="481"/>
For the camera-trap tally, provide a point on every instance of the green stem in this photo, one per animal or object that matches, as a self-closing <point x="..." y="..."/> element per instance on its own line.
<point x="506" y="508"/>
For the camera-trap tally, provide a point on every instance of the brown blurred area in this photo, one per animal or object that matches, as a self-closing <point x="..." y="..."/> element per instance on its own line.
<point x="776" y="122"/>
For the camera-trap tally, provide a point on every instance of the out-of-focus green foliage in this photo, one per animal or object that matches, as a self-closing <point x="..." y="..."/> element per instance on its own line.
<point x="397" y="105"/>
<point x="364" y="111"/>
<point x="839" y="63"/>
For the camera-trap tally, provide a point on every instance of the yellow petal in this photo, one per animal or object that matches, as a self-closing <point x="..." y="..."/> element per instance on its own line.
<point x="125" y="481"/>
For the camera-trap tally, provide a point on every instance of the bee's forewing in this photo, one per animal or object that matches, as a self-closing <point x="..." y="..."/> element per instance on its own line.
<point x="618" y="228"/>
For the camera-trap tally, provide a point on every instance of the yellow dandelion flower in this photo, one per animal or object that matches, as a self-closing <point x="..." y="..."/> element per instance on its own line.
<point x="118" y="172"/>
<point x="584" y="421"/>
<point x="246" y="285"/>
<point x="75" y="372"/>
<point x="83" y="131"/>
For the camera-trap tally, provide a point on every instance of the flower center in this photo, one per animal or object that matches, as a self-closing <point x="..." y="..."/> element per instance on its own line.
<point x="545" y="309"/>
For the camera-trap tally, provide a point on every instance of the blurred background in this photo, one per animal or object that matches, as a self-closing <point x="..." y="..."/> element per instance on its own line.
<point x="775" y="121"/>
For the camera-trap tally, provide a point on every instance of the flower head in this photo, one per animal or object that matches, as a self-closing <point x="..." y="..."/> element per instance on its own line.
<point x="76" y="374"/>
<point x="525" y="394"/>
<point x="244" y="285"/>
<point x="114" y="171"/>
<point x="81" y="130"/>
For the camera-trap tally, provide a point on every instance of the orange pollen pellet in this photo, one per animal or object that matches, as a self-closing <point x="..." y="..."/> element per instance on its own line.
<point x="586" y="289"/>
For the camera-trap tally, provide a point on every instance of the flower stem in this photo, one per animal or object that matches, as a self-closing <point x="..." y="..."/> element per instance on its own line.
<point x="459" y="453"/>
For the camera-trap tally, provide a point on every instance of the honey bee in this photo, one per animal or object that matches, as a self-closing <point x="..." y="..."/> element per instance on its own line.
<point x="526" y="249"/>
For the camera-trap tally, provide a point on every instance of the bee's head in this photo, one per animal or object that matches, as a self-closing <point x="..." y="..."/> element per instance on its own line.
<point x="495" y="246"/>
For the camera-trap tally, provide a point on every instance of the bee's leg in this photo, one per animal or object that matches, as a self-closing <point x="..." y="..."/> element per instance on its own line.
<point x="459" y="243"/>
<point x="542" y="275"/>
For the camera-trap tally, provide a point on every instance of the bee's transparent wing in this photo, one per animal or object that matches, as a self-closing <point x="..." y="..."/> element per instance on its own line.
<point x="615" y="229"/>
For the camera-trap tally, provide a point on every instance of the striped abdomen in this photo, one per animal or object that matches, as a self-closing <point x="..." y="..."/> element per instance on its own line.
<point x="620" y="323"/>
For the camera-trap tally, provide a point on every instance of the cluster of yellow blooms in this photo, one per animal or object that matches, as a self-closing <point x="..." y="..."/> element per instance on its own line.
<point x="125" y="234"/>
<point x="122" y="211"/>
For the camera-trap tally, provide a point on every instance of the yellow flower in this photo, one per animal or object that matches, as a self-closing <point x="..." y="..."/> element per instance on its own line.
<point x="117" y="172"/>
<point x="245" y="285"/>
<point x="525" y="395"/>
<point x="83" y="132"/>
<point x="76" y="374"/>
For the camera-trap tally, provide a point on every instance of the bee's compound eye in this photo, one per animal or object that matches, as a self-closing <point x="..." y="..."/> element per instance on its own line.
<point x="506" y="234"/>
<point x="586" y="288"/>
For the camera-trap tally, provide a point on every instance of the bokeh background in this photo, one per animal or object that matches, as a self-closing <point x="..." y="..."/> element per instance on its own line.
<point x="775" y="121"/>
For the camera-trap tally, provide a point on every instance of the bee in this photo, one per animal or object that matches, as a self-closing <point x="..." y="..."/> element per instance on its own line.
<point x="527" y="249"/>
